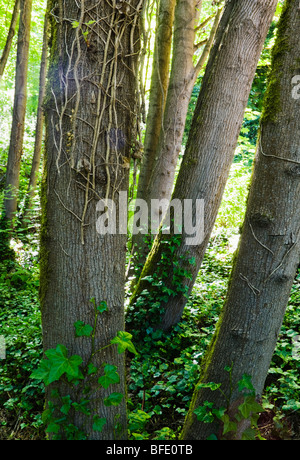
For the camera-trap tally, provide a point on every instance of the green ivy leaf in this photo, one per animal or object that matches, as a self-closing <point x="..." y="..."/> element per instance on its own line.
<point x="110" y="377"/>
<point x="113" y="400"/>
<point x="60" y="363"/>
<point x="211" y="385"/>
<point x="204" y="413"/>
<point x="53" y="428"/>
<point x="82" y="329"/>
<point x="92" y="369"/>
<point x="250" y="406"/>
<point x="228" y="424"/>
<point x="82" y="406"/>
<point x="246" y="384"/>
<point x="123" y="340"/>
<point x="98" y="423"/>
<point x="42" y="372"/>
<point x="248" y="435"/>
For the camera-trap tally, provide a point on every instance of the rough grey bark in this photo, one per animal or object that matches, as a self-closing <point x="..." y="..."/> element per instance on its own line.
<point x="18" y="123"/>
<point x="89" y="113"/>
<point x="10" y="36"/>
<point x="168" y="140"/>
<point x="213" y="136"/>
<point x="36" y="160"/>
<point x="269" y="250"/>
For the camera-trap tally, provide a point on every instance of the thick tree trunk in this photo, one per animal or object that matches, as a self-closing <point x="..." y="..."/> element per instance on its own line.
<point x="89" y="113"/>
<point x="269" y="250"/>
<point x="10" y="36"/>
<point x="19" y="111"/>
<point x="157" y="101"/>
<point x="212" y="141"/>
<point x="36" y="160"/>
<point x="184" y="73"/>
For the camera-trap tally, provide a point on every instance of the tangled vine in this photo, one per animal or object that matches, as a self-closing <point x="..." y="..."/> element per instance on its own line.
<point x="95" y="126"/>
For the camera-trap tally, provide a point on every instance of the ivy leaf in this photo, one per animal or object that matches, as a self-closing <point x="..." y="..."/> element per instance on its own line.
<point x="60" y="363"/>
<point x="53" y="428"/>
<point x="98" y="423"/>
<point x="249" y="406"/>
<point x="92" y="369"/>
<point x="248" y="435"/>
<point x="204" y="413"/>
<point x="102" y="307"/>
<point x="246" y="384"/>
<point x="111" y="376"/>
<point x="82" y="329"/>
<point x="211" y="385"/>
<point x="75" y="24"/>
<point x="123" y="340"/>
<point x="113" y="400"/>
<point x="82" y="406"/>
<point x="42" y="372"/>
<point x="228" y="424"/>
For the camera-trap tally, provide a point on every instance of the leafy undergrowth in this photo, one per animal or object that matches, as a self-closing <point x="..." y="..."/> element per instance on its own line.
<point x="162" y="377"/>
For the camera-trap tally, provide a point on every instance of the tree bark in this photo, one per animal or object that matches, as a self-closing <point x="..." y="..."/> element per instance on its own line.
<point x="89" y="116"/>
<point x="269" y="250"/>
<point x="10" y="36"/>
<point x="36" y="160"/>
<point x="19" y="111"/>
<point x="212" y="141"/>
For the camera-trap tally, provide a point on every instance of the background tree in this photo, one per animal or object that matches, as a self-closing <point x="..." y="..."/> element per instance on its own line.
<point x="20" y="98"/>
<point x="212" y="141"/>
<point x="158" y="89"/>
<point x="90" y="129"/>
<point x="268" y="254"/>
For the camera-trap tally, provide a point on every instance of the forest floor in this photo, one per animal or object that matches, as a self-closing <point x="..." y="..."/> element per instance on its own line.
<point x="162" y="378"/>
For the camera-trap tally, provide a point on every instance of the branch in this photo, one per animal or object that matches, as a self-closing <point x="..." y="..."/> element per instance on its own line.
<point x="209" y="43"/>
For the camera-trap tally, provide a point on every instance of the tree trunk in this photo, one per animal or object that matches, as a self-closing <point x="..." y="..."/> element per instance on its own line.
<point x="268" y="254"/>
<point x="158" y="95"/>
<point x="211" y="145"/>
<point x="184" y="73"/>
<point x="10" y="36"/>
<point x="89" y="117"/>
<point x="40" y="121"/>
<point x="19" y="111"/>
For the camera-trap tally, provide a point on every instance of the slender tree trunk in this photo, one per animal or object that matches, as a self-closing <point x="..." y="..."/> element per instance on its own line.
<point x="158" y="95"/>
<point x="18" y="124"/>
<point x="40" y="121"/>
<point x="211" y="144"/>
<point x="182" y="80"/>
<point x="269" y="250"/>
<point x="184" y="72"/>
<point x="89" y="117"/>
<point x="10" y="36"/>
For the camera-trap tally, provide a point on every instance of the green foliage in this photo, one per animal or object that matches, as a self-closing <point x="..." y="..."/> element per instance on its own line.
<point x="73" y="373"/>
<point x="248" y="410"/>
